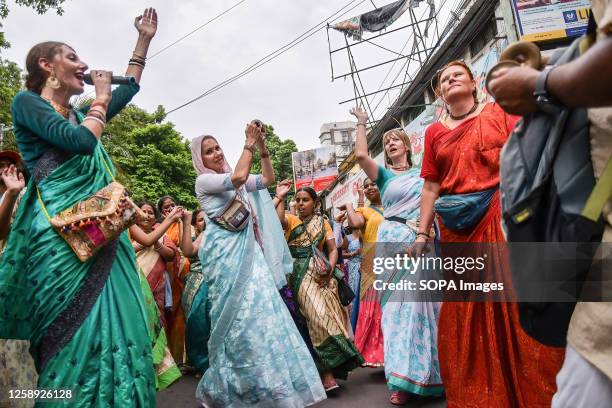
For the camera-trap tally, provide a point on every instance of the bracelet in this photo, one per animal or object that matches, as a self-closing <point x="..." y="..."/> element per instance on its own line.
<point x="279" y="197"/>
<point x="97" y="110"/>
<point x="250" y="148"/>
<point x="95" y="119"/>
<point x="423" y="234"/>
<point x="96" y="114"/>
<point x="139" y="64"/>
<point x="362" y="124"/>
<point x="157" y="245"/>
<point x="96" y="103"/>
<point x="138" y="56"/>
<point x="265" y="154"/>
<point x="139" y="61"/>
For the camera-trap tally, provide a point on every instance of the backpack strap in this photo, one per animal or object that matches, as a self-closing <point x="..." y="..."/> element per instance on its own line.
<point x="600" y="194"/>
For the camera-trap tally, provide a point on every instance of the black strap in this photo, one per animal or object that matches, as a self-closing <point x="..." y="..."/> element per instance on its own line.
<point x="397" y="219"/>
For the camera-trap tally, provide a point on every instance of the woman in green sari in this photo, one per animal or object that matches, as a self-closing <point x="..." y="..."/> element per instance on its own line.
<point x="316" y="289"/>
<point x="86" y="321"/>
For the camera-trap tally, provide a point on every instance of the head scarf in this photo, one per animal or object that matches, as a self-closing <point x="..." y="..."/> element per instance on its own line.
<point x="196" y="157"/>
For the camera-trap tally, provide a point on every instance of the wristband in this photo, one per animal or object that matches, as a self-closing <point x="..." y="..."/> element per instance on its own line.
<point x="265" y="154"/>
<point x="250" y="148"/>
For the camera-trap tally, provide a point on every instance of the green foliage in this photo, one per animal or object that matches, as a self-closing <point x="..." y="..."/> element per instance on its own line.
<point x="151" y="157"/>
<point x="10" y="84"/>
<point x="280" y="154"/>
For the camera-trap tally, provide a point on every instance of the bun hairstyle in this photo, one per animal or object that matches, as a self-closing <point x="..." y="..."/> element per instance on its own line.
<point x="36" y="76"/>
<point x="458" y="63"/>
<point x="401" y="134"/>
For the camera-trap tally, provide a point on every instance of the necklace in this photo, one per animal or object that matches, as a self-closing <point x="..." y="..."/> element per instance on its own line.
<point x="400" y="168"/>
<point x="62" y="110"/>
<point x="465" y="115"/>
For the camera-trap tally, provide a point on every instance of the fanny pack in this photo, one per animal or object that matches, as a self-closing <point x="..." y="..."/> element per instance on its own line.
<point x="94" y="222"/>
<point x="235" y="216"/>
<point x="463" y="211"/>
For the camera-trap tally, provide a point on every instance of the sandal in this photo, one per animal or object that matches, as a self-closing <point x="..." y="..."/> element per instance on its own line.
<point x="399" y="398"/>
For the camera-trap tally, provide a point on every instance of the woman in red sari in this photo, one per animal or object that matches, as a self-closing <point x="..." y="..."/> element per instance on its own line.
<point x="486" y="359"/>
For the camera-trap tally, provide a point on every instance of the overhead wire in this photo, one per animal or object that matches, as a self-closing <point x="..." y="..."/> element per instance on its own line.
<point x="224" y="12"/>
<point x="274" y="54"/>
<point x="196" y="29"/>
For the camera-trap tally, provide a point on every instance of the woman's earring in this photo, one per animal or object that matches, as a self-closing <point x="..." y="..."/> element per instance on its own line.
<point x="53" y="82"/>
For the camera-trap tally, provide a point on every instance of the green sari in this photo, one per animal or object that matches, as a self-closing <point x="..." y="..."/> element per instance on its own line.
<point x="326" y="318"/>
<point x="86" y="321"/>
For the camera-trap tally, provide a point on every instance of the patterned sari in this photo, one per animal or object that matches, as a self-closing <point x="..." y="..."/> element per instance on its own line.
<point x="165" y="368"/>
<point x="257" y="357"/>
<point x="153" y="267"/>
<point x="410" y="328"/>
<point x="176" y="318"/>
<point x="325" y="317"/>
<point x="486" y="358"/>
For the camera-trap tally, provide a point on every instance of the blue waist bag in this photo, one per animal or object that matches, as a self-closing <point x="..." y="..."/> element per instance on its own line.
<point x="463" y="211"/>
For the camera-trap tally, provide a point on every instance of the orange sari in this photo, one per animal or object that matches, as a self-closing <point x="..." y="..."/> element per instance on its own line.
<point x="176" y="318"/>
<point x="486" y="359"/>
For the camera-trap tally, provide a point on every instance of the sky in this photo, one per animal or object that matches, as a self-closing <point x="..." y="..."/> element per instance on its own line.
<point x="294" y="92"/>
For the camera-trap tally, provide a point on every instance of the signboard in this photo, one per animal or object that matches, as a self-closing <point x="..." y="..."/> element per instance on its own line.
<point x="542" y="20"/>
<point x="315" y="168"/>
<point x="347" y="192"/>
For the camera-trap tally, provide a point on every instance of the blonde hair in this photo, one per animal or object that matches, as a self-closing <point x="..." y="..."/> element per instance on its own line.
<point x="400" y="134"/>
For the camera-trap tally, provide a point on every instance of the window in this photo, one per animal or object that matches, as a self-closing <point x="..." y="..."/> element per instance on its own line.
<point x="344" y="134"/>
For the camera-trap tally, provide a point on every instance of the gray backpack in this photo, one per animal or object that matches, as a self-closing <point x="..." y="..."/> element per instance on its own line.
<point x="546" y="181"/>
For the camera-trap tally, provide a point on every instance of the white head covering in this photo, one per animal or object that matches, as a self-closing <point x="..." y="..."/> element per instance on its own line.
<point x="196" y="157"/>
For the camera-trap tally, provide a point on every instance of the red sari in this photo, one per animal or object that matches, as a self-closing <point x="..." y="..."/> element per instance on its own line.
<point x="486" y="359"/>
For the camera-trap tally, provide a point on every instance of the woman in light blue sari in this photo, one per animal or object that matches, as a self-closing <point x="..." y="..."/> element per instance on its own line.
<point x="256" y="354"/>
<point x="409" y="322"/>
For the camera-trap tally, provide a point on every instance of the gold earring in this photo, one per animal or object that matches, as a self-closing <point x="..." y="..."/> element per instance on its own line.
<point x="53" y="82"/>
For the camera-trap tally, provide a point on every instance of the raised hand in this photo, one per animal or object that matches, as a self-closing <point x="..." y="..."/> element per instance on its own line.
<point x="283" y="187"/>
<point x="360" y="193"/>
<point x="146" y="24"/>
<point x="13" y="180"/>
<point x="176" y="213"/>
<point x="360" y="114"/>
<point x="253" y="134"/>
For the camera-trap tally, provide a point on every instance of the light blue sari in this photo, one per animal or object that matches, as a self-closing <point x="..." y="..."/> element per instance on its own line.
<point x="257" y="357"/>
<point x="410" y="329"/>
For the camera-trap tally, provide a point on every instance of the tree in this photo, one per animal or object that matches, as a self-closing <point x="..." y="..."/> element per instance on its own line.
<point x="151" y="157"/>
<point x="10" y="84"/>
<point x="41" y="7"/>
<point x="280" y="154"/>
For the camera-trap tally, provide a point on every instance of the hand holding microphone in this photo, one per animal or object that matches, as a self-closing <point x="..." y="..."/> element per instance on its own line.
<point x="115" y="80"/>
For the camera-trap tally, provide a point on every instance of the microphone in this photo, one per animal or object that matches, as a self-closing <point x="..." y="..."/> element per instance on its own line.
<point x="115" y="80"/>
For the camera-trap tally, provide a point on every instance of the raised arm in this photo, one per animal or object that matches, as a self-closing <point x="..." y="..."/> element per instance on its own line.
<point x="146" y="25"/>
<point x="151" y="238"/>
<point x="355" y="220"/>
<point x="368" y="164"/>
<point x="243" y="167"/>
<point x="14" y="183"/>
<point x="281" y="192"/>
<point x="189" y="248"/>
<point x="267" y="171"/>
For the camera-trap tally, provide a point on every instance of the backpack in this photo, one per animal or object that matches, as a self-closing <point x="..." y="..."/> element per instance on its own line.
<point x="549" y="195"/>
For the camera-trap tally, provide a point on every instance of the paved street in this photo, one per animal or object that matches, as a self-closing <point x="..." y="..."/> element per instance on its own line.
<point x="365" y="389"/>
